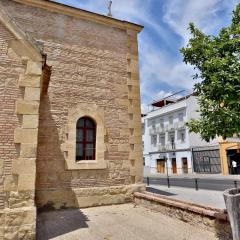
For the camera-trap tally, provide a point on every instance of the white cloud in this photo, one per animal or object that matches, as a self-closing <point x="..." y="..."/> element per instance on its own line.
<point x="204" y="14"/>
<point x="158" y="65"/>
<point x="160" y="68"/>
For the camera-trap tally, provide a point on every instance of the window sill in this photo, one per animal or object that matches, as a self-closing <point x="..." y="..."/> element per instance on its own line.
<point x="86" y="165"/>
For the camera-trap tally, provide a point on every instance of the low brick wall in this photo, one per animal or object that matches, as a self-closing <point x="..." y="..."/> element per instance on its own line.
<point x="207" y="218"/>
<point x="86" y="197"/>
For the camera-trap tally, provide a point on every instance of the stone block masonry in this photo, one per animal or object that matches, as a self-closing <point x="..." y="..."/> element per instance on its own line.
<point x="19" y="106"/>
<point x="16" y="185"/>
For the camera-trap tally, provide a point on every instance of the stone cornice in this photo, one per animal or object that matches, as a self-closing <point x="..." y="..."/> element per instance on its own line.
<point x="80" y="13"/>
<point x="31" y="49"/>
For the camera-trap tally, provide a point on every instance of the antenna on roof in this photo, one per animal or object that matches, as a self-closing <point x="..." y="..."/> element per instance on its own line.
<point x="110" y="9"/>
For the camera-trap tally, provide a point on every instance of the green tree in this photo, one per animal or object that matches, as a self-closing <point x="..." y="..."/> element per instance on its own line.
<point x="217" y="60"/>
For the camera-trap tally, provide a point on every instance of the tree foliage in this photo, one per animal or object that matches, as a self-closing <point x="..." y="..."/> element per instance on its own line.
<point x="217" y="60"/>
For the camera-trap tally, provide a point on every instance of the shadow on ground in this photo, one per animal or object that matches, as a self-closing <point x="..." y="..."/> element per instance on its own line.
<point x="157" y="191"/>
<point x="56" y="223"/>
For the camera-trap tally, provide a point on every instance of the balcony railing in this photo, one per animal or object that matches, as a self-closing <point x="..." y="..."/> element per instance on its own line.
<point x="162" y="148"/>
<point x="169" y="127"/>
<point x="166" y="147"/>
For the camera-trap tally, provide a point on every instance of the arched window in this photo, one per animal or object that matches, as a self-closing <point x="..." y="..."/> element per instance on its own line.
<point x="86" y="139"/>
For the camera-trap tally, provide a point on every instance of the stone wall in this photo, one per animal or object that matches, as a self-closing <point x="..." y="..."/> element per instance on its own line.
<point x="17" y="173"/>
<point x="10" y="68"/>
<point x="92" y="64"/>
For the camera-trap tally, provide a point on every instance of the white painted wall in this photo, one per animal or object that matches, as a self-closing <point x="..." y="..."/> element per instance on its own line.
<point x="159" y="119"/>
<point x="195" y="140"/>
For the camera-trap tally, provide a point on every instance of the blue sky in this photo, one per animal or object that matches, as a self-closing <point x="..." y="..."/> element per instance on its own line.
<point x="162" y="71"/>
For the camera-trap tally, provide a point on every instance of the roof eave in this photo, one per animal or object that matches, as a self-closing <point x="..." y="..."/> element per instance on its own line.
<point x="80" y="13"/>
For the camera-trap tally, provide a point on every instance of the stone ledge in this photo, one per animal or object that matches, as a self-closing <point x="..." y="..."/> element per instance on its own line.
<point x="86" y="165"/>
<point x="188" y="206"/>
<point x="207" y="218"/>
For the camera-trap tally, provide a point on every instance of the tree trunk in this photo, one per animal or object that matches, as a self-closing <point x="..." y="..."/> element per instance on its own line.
<point x="232" y="201"/>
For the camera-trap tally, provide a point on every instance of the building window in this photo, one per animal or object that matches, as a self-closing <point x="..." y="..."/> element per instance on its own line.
<point x="170" y="119"/>
<point x="172" y="140"/>
<point x="180" y="117"/>
<point x="162" y="140"/>
<point x="182" y="135"/>
<point x="154" y="124"/>
<point x="86" y="139"/>
<point x="161" y="123"/>
<point x="154" y="140"/>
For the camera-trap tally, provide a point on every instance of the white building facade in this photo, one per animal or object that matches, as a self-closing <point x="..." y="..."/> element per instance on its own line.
<point x="166" y="139"/>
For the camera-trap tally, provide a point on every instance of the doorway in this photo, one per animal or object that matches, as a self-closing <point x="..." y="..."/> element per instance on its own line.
<point x="185" y="165"/>
<point x="174" y="166"/>
<point x="160" y="166"/>
<point x="233" y="161"/>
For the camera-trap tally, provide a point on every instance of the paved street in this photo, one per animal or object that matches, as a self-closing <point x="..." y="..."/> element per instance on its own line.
<point x="118" y="222"/>
<point x="187" y="182"/>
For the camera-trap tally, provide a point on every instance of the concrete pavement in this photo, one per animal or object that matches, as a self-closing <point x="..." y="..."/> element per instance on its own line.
<point x="203" y="197"/>
<point x="118" y="222"/>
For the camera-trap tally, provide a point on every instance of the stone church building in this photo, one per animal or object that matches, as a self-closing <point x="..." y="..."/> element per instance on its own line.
<point x="70" y="127"/>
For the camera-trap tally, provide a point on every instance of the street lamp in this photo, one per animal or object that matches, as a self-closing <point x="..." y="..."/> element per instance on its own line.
<point x="168" y="182"/>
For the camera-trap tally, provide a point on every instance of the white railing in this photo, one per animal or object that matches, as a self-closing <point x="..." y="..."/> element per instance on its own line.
<point x="166" y="147"/>
<point x="170" y="146"/>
